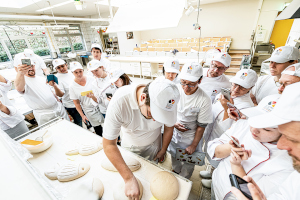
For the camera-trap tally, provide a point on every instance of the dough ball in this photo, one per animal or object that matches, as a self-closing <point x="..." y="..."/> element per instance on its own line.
<point x="164" y="186"/>
<point x="132" y="163"/>
<point x="119" y="190"/>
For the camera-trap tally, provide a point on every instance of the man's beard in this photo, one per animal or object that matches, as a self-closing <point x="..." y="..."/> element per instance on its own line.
<point x="31" y="73"/>
<point x="296" y="164"/>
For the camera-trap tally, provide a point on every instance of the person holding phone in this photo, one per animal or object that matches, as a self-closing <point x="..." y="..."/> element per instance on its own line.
<point x="193" y="115"/>
<point x="11" y="120"/>
<point x="286" y="115"/>
<point x="101" y="86"/>
<point x="119" y="78"/>
<point x="239" y="94"/>
<point x="257" y="156"/>
<point x="38" y="95"/>
<point x="83" y="104"/>
<point x="66" y="78"/>
<point x="171" y="70"/>
<point x="213" y="77"/>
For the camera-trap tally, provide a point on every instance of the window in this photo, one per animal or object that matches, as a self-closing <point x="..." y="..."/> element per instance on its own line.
<point x="16" y="46"/>
<point x="77" y="42"/>
<point x="63" y="44"/>
<point x="3" y="55"/>
<point x="40" y="46"/>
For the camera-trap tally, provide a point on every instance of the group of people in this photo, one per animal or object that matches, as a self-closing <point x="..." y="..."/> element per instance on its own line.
<point x="255" y="139"/>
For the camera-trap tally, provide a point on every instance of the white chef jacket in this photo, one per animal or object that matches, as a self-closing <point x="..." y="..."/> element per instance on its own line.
<point x="15" y="117"/>
<point x="41" y="100"/>
<point x="219" y="126"/>
<point x="38" y="62"/>
<point x="212" y="85"/>
<point x="175" y="81"/>
<point x="192" y="110"/>
<point x="268" y="165"/>
<point x="289" y="190"/>
<point x="101" y="86"/>
<point x="91" y="112"/>
<point x="264" y="86"/>
<point x="123" y="113"/>
<point x="64" y="82"/>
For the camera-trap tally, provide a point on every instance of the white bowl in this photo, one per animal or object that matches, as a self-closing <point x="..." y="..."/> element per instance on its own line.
<point x="47" y="142"/>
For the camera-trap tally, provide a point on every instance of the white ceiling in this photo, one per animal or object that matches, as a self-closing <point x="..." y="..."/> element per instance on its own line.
<point x="65" y="10"/>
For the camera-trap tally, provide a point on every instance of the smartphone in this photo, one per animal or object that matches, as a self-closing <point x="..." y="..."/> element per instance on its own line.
<point x="240" y="184"/>
<point x="88" y="124"/>
<point x="233" y="140"/>
<point x="51" y="77"/>
<point x="109" y="95"/>
<point x="26" y="61"/>
<point x="226" y="93"/>
<point x="187" y="128"/>
<point x="230" y="105"/>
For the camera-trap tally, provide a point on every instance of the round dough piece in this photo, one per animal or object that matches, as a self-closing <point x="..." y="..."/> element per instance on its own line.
<point x="119" y="191"/>
<point x="132" y="163"/>
<point x="164" y="186"/>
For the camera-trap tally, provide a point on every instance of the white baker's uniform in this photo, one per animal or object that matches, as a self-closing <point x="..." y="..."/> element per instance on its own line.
<point x="175" y="81"/>
<point x="192" y="110"/>
<point x="264" y="86"/>
<point x="140" y="135"/>
<point x="268" y="166"/>
<point x="13" y="124"/>
<point x="91" y="112"/>
<point x="41" y="100"/>
<point x="38" y="62"/>
<point x="219" y="126"/>
<point x="212" y="85"/>
<point x="288" y="190"/>
<point x="101" y="86"/>
<point x="64" y="83"/>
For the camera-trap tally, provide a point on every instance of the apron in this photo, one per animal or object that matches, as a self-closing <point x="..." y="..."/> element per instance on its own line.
<point x="94" y="115"/>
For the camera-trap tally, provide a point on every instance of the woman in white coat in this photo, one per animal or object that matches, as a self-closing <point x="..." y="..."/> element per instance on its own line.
<point x="242" y="83"/>
<point x="83" y="104"/>
<point x="101" y="85"/>
<point x="171" y="70"/>
<point x="11" y="120"/>
<point x="259" y="156"/>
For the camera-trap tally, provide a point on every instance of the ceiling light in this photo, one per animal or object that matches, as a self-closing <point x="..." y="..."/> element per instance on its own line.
<point x="79" y="5"/>
<point x="56" y="5"/>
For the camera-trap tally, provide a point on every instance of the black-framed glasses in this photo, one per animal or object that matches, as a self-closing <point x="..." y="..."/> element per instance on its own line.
<point x="238" y="86"/>
<point x="190" y="86"/>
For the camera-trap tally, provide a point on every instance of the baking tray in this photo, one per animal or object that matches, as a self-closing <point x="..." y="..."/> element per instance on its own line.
<point x="66" y="134"/>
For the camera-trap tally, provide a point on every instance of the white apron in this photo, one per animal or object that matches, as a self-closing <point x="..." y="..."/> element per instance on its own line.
<point x="94" y="115"/>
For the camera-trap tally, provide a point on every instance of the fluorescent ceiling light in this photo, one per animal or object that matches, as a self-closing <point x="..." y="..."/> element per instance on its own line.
<point x="18" y="3"/>
<point x="56" y="5"/>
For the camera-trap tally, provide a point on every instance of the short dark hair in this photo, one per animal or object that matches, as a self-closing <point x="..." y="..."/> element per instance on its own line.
<point x="125" y="78"/>
<point x="163" y="70"/>
<point x="96" y="49"/>
<point x="146" y="91"/>
<point x="291" y="61"/>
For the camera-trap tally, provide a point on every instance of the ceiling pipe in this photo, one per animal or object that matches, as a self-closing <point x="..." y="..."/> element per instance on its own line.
<point x="46" y="17"/>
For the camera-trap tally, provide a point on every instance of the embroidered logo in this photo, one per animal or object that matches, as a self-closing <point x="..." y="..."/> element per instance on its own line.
<point x="170" y="104"/>
<point x="270" y="106"/>
<point x="214" y="93"/>
<point x="173" y="64"/>
<point x="278" y="51"/>
<point x="223" y="56"/>
<point x="243" y="76"/>
<point x="189" y="69"/>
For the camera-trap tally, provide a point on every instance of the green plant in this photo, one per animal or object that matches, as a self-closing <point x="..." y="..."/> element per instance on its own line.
<point x="77" y="46"/>
<point x="3" y="57"/>
<point x="65" y="49"/>
<point x="42" y="52"/>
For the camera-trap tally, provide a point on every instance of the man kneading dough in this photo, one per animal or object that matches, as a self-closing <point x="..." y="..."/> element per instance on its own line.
<point x="129" y="111"/>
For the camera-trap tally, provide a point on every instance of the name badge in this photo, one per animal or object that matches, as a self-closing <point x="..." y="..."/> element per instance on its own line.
<point x="195" y="110"/>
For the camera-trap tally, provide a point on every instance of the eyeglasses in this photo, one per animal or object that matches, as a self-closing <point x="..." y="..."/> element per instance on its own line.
<point x="238" y="86"/>
<point x="278" y="84"/>
<point x="214" y="66"/>
<point x="190" y="86"/>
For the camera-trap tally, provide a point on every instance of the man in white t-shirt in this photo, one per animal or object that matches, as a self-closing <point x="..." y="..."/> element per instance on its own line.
<point x="280" y="59"/>
<point x="214" y="78"/>
<point x="38" y="95"/>
<point x="96" y="51"/>
<point x="286" y="115"/>
<point x="193" y="114"/>
<point x="139" y="111"/>
<point x="39" y="63"/>
<point x="65" y="79"/>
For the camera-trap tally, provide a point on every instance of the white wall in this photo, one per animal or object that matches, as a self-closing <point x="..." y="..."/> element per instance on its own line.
<point x="128" y="45"/>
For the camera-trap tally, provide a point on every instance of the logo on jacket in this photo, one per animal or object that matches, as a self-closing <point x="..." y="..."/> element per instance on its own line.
<point x="270" y="106"/>
<point x="189" y="69"/>
<point x="214" y="93"/>
<point x="243" y="76"/>
<point x="170" y="104"/>
<point x="173" y="64"/>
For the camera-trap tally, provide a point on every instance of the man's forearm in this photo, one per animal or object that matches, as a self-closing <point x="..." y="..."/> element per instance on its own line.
<point x="198" y="135"/>
<point x="46" y="71"/>
<point x="113" y="154"/>
<point x="58" y="92"/>
<point x="20" y="82"/>
<point x="167" y="136"/>
<point x="78" y="107"/>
